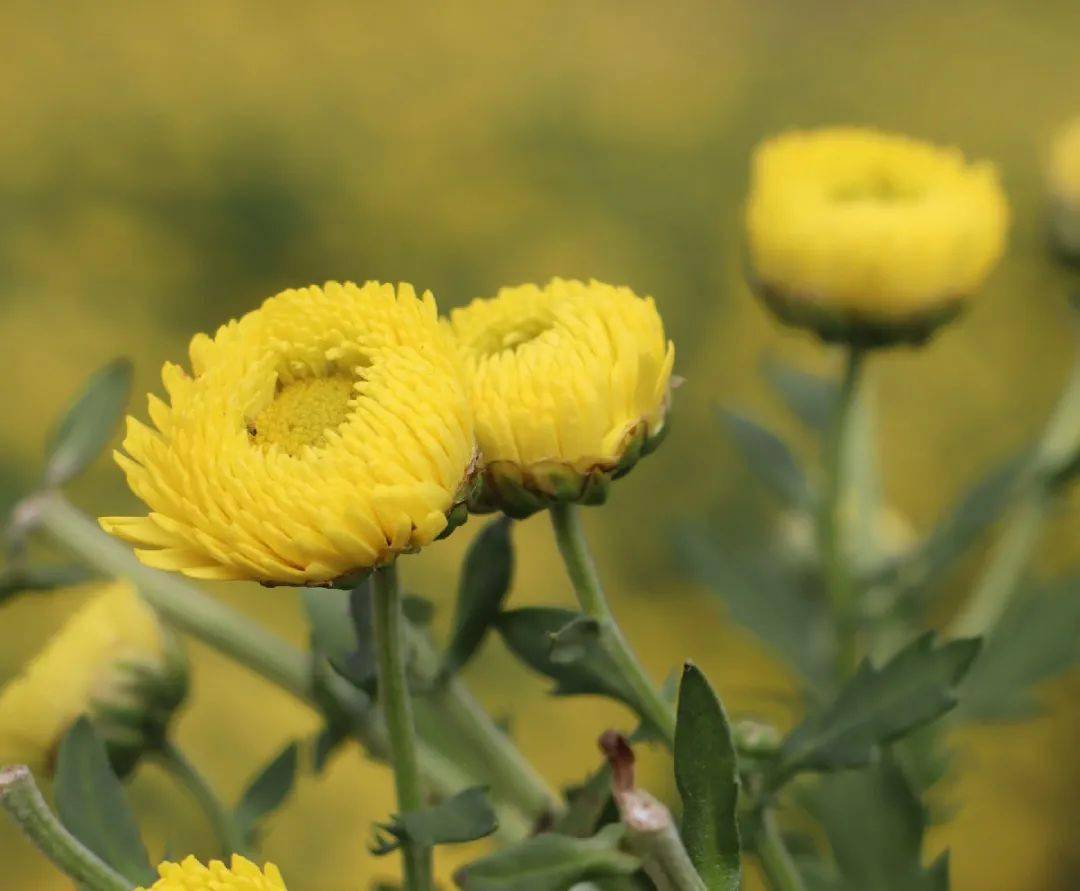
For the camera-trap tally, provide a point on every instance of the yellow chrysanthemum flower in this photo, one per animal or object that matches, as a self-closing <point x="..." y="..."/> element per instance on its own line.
<point x="317" y="437"/>
<point x="112" y="661"/>
<point x="1064" y="182"/>
<point x="571" y="386"/>
<point x="191" y="875"/>
<point x="870" y="237"/>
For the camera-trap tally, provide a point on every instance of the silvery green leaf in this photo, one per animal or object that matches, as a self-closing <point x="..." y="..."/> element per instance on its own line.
<point x="464" y="817"/>
<point x="812" y="399"/>
<point x="769" y="457"/>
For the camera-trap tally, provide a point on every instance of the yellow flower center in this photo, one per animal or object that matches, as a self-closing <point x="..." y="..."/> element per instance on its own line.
<point x="512" y="334"/>
<point x="303" y="412"/>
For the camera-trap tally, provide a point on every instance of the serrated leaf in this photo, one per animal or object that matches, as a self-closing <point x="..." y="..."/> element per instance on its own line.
<point x="91" y="804"/>
<point x="1037" y="639"/>
<point x="877" y="706"/>
<point x="812" y="399"/>
<point x="531" y="633"/>
<point x="706" y="773"/>
<point x="464" y="817"/>
<point x="89" y="422"/>
<point x="550" y="862"/>
<point x="769" y="457"/>
<point x="36" y="579"/>
<point x="268" y="791"/>
<point x="485" y="581"/>
<point x="764" y="598"/>
<point x="876" y="827"/>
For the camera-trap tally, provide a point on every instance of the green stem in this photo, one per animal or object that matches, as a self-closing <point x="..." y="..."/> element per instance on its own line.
<point x="1058" y="448"/>
<point x="583" y="576"/>
<point x="21" y="798"/>
<point x="396" y="706"/>
<point x="832" y="541"/>
<point x="780" y="870"/>
<point x="228" y="834"/>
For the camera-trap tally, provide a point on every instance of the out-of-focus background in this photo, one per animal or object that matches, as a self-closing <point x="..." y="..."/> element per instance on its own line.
<point x="164" y="168"/>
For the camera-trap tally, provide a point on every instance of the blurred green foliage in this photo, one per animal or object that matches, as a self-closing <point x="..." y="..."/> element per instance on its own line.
<point x="164" y="168"/>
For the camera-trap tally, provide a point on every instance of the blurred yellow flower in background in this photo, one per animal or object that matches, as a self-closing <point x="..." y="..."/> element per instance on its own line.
<point x="112" y="661"/>
<point x="1063" y="177"/>
<point x="317" y="437"/>
<point x="243" y="875"/>
<point x="571" y="385"/>
<point x="870" y="236"/>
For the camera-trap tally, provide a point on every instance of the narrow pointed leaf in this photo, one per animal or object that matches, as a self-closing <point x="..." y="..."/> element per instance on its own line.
<point x="810" y="398"/>
<point x="769" y="457"/>
<point x="879" y="705"/>
<point x="706" y="773"/>
<point x="91" y="804"/>
<point x="485" y="581"/>
<point x="89" y="423"/>
<point x="268" y="790"/>
<point x="550" y="862"/>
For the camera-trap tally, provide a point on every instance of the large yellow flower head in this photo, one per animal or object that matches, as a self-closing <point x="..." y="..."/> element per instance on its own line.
<point x="869" y="237"/>
<point x="191" y="875"/>
<point x="111" y="661"/>
<point x="571" y="386"/>
<point x="316" y="438"/>
<point x="1063" y="175"/>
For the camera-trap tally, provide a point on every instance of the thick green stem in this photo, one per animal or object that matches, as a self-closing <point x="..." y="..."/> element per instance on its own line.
<point x="832" y="540"/>
<point x="657" y="713"/>
<point x="397" y="711"/>
<point x="20" y="797"/>
<point x="780" y="870"/>
<point x="229" y="838"/>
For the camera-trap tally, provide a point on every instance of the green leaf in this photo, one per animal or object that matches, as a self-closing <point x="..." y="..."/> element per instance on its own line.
<point x="550" y="862"/>
<point x="532" y="634"/>
<point x="769" y="457"/>
<point x="706" y="772"/>
<point x="810" y="398"/>
<point x="877" y="706"/>
<point x="465" y="817"/>
<point x="876" y="825"/>
<point x="268" y="791"/>
<point x="89" y="423"/>
<point x="342" y="632"/>
<point x="485" y="581"/>
<point x="586" y="804"/>
<point x="37" y="579"/>
<point x="764" y="597"/>
<point x="1037" y="639"/>
<point x="91" y="804"/>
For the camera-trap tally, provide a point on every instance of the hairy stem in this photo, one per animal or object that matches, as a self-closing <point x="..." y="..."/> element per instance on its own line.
<point x="832" y="540"/>
<point x="229" y="838"/>
<point x="397" y="711"/>
<point x="21" y="798"/>
<point x="657" y="713"/>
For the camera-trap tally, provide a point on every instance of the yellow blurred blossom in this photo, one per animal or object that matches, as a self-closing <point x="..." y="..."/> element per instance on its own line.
<point x="571" y="385"/>
<point x="242" y="875"/>
<point x="317" y="437"/>
<point x="112" y="661"/>
<point x="1064" y="182"/>
<point x="870" y="236"/>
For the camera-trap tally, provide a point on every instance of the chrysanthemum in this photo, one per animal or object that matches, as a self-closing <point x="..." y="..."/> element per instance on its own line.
<point x="316" y="438"/>
<point x="1064" y="181"/>
<point x="112" y="661"/>
<point x="870" y="237"/>
<point x="570" y="387"/>
<point x="242" y="875"/>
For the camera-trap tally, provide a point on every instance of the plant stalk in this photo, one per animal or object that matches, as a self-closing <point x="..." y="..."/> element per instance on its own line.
<point x="657" y="713"/>
<point x="229" y="838"/>
<point x="21" y="798"/>
<point x="776" y="862"/>
<point x="832" y="527"/>
<point x="396" y="706"/>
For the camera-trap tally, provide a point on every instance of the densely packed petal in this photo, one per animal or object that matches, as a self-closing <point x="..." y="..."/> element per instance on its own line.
<point x="858" y="233"/>
<point x="316" y="438"/>
<point x="240" y="875"/>
<point x="571" y="384"/>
